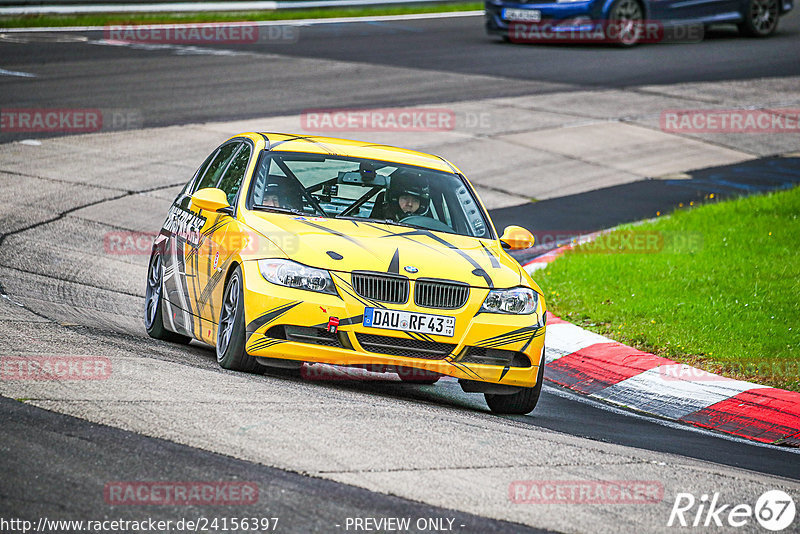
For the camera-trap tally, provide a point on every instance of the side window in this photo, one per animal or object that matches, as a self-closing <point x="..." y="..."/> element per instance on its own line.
<point x="232" y="180"/>
<point x="217" y="166"/>
<point x="189" y="188"/>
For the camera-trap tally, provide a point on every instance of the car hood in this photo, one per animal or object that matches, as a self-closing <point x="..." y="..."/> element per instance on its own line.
<point x="345" y="245"/>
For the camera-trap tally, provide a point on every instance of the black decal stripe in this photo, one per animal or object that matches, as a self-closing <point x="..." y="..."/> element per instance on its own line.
<point x="463" y="368"/>
<point x="526" y="345"/>
<point x="347" y="289"/>
<point x="216" y="226"/>
<point x="310" y="139"/>
<point x="505" y="370"/>
<point x="265" y="344"/>
<point x="334" y="232"/>
<point x="394" y="265"/>
<point x="504" y="343"/>
<point x="495" y="263"/>
<point x="478" y="270"/>
<point x="523" y="330"/>
<point x="404" y="235"/>
<point x="269" y="316"/>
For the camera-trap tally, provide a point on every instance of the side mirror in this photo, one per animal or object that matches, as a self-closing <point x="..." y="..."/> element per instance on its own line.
<point x="516" y="238"/>
<point x="211" y="199"/>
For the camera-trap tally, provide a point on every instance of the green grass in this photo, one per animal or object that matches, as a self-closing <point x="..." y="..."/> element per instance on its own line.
<point x="721" y="295"/>
<point x="30" y="21"/>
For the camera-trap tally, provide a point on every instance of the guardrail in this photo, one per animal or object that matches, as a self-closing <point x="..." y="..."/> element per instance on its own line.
<point x="70" y="7"/>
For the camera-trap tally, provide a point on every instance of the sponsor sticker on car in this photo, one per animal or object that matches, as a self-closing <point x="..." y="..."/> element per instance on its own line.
<point x="521" y="15"/>
<point x="422" y="323"/>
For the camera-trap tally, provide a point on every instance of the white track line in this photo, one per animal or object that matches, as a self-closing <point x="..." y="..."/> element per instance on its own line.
<point x="4" y="72"/>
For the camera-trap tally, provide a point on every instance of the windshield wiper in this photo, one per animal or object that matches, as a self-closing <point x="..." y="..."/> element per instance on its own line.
<point x="282" y="210"/>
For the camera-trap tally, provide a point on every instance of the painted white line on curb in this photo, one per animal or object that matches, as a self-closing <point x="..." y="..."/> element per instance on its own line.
<point x="656" y="391"/>
<point x="285" y="22"/>
<point x="566" y="338"/>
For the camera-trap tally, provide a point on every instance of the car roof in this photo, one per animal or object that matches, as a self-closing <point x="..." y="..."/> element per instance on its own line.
<point x="315" y="144"/>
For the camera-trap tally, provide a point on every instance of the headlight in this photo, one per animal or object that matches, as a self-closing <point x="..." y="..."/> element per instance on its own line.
<point x="292" y="274"/>
<point x="519" y="300"/>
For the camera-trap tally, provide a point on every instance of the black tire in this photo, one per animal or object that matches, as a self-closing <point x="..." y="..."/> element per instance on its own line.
<point x="230" y="332"/>
<point x="760" y="18"/>
<point x="153" y="317"/>
<point x="627" y="17"/>
<point x="520" y="403"/>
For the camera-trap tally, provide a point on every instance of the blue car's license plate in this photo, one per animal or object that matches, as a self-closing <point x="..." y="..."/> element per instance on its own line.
<point x="521" y="15"/>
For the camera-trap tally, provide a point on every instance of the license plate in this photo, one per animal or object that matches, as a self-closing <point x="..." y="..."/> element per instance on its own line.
<point x="422" y="323"/>
<point x="522" y="15"/>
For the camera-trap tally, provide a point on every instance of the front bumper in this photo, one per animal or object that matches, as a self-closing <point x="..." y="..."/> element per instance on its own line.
<point x="291" y="324"/>
<point x="496" y="25"/>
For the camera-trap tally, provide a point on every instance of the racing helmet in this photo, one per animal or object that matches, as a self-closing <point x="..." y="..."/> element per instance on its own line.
<point x="287" y="193"/>
<point x="412" y="183"/>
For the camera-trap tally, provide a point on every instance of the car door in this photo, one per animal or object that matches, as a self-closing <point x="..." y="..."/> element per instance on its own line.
<point x="177" y="227"/>
<point x="183" y="227"/>
<point x="220" y="241"/>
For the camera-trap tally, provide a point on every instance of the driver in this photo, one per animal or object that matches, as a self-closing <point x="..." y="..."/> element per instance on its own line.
<point x="272" y="196"/>
<point x="278" y="192"/>
<point x="408" y="194"/>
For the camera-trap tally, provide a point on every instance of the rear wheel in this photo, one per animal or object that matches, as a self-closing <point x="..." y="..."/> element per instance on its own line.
<point x="230" y="333"/>
<point x="153" y="317"/>
<point x="520" y="403"/>
<point x="760" y="19"/>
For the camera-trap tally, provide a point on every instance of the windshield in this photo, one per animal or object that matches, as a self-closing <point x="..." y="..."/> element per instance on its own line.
<point x="353" y="188"/>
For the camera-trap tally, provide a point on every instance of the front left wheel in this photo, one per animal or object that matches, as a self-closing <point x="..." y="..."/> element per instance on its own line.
<point x="625" y="20"/>
<point x="231" y="331"/>
<point x="153" y="316"/>
<point x="520" y="403"/>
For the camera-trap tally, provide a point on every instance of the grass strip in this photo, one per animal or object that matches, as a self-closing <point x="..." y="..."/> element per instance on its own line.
<point x="714" y="286"/>
<point x="104" y="19"/>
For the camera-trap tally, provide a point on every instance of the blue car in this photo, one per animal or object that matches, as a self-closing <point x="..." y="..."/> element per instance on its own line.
<point x="552" y="19"/>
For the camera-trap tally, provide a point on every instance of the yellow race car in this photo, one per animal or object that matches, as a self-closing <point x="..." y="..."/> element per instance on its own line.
<point x="287" y="250"/>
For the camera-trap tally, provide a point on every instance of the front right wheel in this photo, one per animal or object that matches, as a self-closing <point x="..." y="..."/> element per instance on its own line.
<point x="231" y="330"/>
<point x="519" y="403"/>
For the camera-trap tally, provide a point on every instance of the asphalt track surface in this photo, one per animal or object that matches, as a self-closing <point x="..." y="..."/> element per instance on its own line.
<point x="458" y="62"/>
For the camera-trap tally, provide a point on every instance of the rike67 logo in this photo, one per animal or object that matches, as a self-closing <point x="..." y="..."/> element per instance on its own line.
<point x="774" y="511"/>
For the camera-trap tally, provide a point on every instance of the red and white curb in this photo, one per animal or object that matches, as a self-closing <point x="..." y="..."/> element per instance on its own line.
<point x="601" y="368"/>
